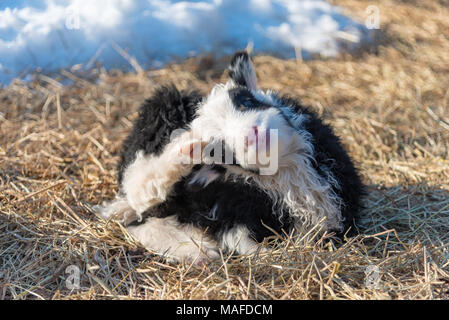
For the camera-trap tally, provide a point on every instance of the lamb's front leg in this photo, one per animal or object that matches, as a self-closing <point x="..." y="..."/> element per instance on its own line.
<point x="150" y="178"/>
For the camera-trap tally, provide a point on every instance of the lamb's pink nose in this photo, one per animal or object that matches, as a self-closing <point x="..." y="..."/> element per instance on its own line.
<point x="258" y="138"/>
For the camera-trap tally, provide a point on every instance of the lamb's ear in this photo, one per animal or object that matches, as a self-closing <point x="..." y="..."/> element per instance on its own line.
<point x="241" y="70"/>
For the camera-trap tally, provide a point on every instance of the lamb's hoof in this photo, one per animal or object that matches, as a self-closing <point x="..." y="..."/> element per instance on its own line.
<point x="202" y="259"/>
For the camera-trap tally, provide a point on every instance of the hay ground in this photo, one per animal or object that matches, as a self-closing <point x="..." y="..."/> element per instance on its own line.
<point x="59" y="146"/>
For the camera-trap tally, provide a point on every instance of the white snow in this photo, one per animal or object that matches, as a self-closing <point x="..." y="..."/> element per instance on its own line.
<point x="54" y="34"/>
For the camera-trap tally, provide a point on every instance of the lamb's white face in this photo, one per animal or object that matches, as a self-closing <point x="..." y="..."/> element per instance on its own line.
<point x="247" y="121"/>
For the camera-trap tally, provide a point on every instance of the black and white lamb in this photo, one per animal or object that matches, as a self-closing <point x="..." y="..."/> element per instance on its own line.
<point x="225" y="171"/>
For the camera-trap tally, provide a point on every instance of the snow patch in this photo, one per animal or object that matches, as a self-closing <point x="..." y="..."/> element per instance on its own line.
<point x="54" y="34"/>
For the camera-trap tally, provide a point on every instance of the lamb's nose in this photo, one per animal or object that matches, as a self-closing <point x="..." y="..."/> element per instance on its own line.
<point x="255" y="130"/>
<point x="252" y="137"/>
<point x="258" y="138"/>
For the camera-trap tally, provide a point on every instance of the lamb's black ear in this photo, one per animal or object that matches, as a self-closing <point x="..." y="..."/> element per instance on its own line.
<point x="241" y="70"/>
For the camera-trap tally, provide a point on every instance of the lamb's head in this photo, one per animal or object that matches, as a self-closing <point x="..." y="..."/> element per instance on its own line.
<point x="252" y="124"/>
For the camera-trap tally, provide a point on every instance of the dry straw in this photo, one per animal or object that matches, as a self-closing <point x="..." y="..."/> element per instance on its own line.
<point x="59" y="146"/>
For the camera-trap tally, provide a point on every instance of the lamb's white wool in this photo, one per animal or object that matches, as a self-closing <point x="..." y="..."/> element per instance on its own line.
<point x="238" y="239"/>
<point x="176" y="241"/>
<point x="149" y="179"/>
<point x="297" y="185"/>
<point x="307" y="195"/>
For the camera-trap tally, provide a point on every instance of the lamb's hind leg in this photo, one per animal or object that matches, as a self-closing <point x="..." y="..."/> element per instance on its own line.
<point x="119" y="209"/>
<point x="176" y="241"/>
<point x="239" y="240"/>
<point x="149" y="179"/>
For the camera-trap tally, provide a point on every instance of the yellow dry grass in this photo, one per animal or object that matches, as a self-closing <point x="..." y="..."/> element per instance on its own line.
<point x="59" y="146"/>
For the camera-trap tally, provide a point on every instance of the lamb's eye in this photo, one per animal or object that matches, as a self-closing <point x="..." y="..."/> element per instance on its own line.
<point x="243" y="99"/>
<point x="245" y="104"/>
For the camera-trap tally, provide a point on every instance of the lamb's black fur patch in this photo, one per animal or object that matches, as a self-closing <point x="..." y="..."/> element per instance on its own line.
<point x="244" y="100"/>
<point x="223" y="205"/>
<point x="167" y="110"/>
<point x="232" y="204"/>
<point x="236" y="68"/>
